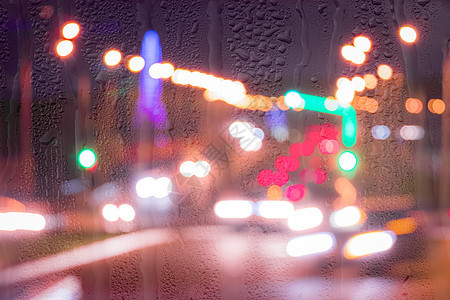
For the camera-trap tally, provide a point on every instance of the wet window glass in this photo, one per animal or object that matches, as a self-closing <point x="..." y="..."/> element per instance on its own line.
<point x="225" y="149"/>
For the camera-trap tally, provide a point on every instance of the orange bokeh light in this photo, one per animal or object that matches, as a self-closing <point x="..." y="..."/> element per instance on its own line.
<point x="281" y="104"/>
<point x="408" y="34"/>
<point x="64" y="48"/>
<point x="274" y="192"/>
<point x="413" y="105"/>
<point x="384" y="72"/>
<point x="436" y="106"/>
<point x="371" y="81"/>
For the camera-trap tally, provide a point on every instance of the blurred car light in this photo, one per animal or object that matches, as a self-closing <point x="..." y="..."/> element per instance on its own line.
<point x="233" y="209"/>
<point x="275" y="209"/>
<point x="346" y="217"/>
<point x="310" y="244"/>
<point x="12" y="221"/>
<point x="305" y="218"/>
<point x="369" y="243"/>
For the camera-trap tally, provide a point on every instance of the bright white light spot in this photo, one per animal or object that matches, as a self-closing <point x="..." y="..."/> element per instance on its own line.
<point x="358" y="84"/>
<point x="348" y="52"/>
<point x="347" y="161"/>
<point x="253" y="143"/>
<point x="162" y="187"/>
<point x="202" y="169"/>
<point x="259" y="133"/>
<point x="145" y="187"/>
<point x="112" y="58"/>
<point x="70" y="30"/>
<point x="305" y="218"/>
<point x="369" y="243"/>
<point x="362" y="43"/>
<point x="182" y="77"/>
<point x="12" y="221"/>
<point x="358" y="57"/>
<point x="342" y="81"/>
<point x="187" y="168"/>
<point x="275" y="209"/>
<point x="293" y="100"/>
<point x="126" y="212"/>
<point x="155" y="71"/>
<point x="64" y="48"/>
<point x="310" y="244"/>
<point x="412" y="132"/>
<point x="380" y="132"/>
<point x="87" y="158"/>
<point x="110" y="212"/>
<point x="345" y="95"/>
<point x="136" y="64"/>
<point x="408" y="34"/>
<point x="241" y="130"/>
<point x="233" y="209"/>
<point x="167" y="70"/>
<point x="346" y="217"/>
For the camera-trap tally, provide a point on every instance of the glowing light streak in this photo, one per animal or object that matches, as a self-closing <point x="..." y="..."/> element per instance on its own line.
<point x="369" y="243"/>
<point x="12" y="221"/>
<point x="275" y="209"/>
<point x="305" y="218"/>
<point x="310" y="244"/>
<point x="233" y="209"/>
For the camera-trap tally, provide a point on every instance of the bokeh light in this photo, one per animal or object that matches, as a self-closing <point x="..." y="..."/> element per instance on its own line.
<point x="280" y="178"/>
<point x="70" y="30"/>
<point x="233" y="209"/>
<point x="349" y="216"/>
<point x="347" y="191"/>
<point x="11" y="221"/>
<point x="412" y="132"/>
<point x="310" y="244"/>
<point x="345" y="94"/>
<point x="402" y="226"/>
<point x="436" y="106"/>
<point x="274" y="192"/>
<point x="408" y="34"/>
<point x="136" y="64"/>
<point x="331" y="104"/>
<point x="162" y="187"/>
<point x="362" y="43"/>
<point x="294" y="100"/>
<point x="329" y="146"/>
<point x="281" y="104"/>
<point x="182" y="77"/>
<point x="353" y="54"/>
<point x="112" y="58"/>
<point x="319" y="176"/>
<point x="275" y="209"/>
<point x="265" y="177"/>
<point x="358" y="84"/>
<point x="380" y="132"/>
<point x="64" y="48"/>
<point x="413" y="105"/>
<point x="87" y="158"/>
<point x="371" y="81"/>
<point x="296" y="192"/>
<point x="369" y="243"/>
<point x="342" y="81"/>
<point x="305" y="218"/>
<point x="347" y="161"/>
<point x="384" y="72"/>
<point x="126" y="212"/>
<point x="187" y="168"/>
<point x="110" y="212"/>
<point x="144" y="187"/>
<point x="202" y="168"/>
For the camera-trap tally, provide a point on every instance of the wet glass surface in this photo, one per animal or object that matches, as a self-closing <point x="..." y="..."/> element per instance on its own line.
<point x="224" y="149"/>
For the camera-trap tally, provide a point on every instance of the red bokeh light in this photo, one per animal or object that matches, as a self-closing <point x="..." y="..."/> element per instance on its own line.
<point x="296" y="192"/>
<point x="306" y="175"/>
<point x="280" y="163"/>
<point x="319" y="176"/>
<point x="295" y="150"/>
<point x="280" y="178"/>
<point x="265" y="177"/>
<point x="329" y="146"/>
<point x="291" y="164"/>
<point x="307" y="148"/>
<point x="315" y="162"/>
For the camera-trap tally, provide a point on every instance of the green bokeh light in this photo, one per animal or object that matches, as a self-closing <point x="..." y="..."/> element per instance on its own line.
<point x="87" y="158"/>
<point x="347" y="161"/>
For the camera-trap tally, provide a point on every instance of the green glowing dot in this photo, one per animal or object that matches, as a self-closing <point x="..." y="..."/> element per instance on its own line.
<point x="347" y="161"/>
<point x="87" y="158"/>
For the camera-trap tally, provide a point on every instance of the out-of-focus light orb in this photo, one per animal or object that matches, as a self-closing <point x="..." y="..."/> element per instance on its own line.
<point x="187" y="168"/>
<point x="70" y="30"/>
<point x="233" y="209"/>
<point x="251" y="145"/>
<point x="280" y="133"/>
<point x="64" y="48"/>
<point x="331" y="104"/>
<point x="329" y="146"/>
<point x="384" y="72"/>
<point x="162" y="187"/>
<point x="241" y="130"/>
<point x="281" y="104"/>
<point x="110" y="212"/>
<point x="346" y="217"/>
<point x="112" y="58"/>
<point x="136" y="64"/>
<point x="362" y="43"/>
<point x="412" y="132"/>
<point x="371" y="81"/>
<point x="87" y="158"/>
<point x="342" y="81"/>
<point x="380" y="132"/>
<point x="167" y="70"/>
<point x="310" y="244"/>
<point x="348" y="52"/>
<point x="358" y="84"/>
<point x="155" y="70"/>
<point x="274" y="192"/>
<point x="181" y="77"/>
<point x="359" y="57"/>
<point x="305" y="218"/>
<point x="402" y="226"/>
<point x="347" y="161"/>
<point x="408" y="34"/>
<point x="345" y="95"/>
<point x="275" y="209"/>
<point x="202" y="168"/>
<point x="369" y="243"/>
<point x="436" y="106"/>
<point x="11" y="221"/>
<point x="413" y="105"/>
<point x="145" y="187"/>
<point x="126" y="212"/>
<point x="294" y="100"/>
